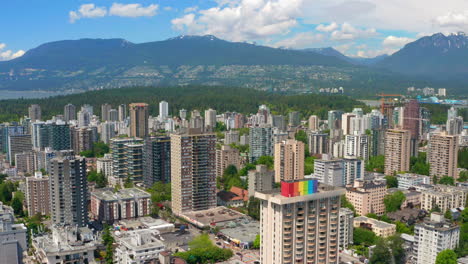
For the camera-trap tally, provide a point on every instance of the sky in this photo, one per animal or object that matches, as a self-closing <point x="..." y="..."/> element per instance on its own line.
<point x="358" y="28"/>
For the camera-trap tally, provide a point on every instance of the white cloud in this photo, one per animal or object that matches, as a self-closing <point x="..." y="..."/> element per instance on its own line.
<point x="133" y="10"/>
<point x="168" y="8"/>
<point x="87" y="11"/>
<point x="394" y="15"/>
<point x="300" y="40"/>
<point x="457" y="21"/>
<point x="183" y="23"/>
<point x="240" y="20"/>
<point x="349" y="32"/>
<point x="396" y="42"/>
<point x="9" y="54"/>
<point x="191" y="9"/>
<point x="331" y="27"/>
<point x="343" y="48"/>
<point x="372" y="53"/>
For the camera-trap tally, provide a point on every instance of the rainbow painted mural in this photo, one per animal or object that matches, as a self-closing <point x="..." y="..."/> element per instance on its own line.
<point x="299" y="188"/>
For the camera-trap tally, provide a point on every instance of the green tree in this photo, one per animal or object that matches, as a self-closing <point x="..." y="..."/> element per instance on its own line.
<point x="6" y="191"/>
<point x="244" y="171"/>
<point x="17" y="203"/>
<point x="346" y="204"/>
<point x="108" y="241"/>
<point x="266" y="160"/>
<point x="256" y="243"/>
<point x="376" y="163"/>
<point x="402" y="228"/>
<point x="301" y="135"/>
<point x="392" y="181"/>
<point x="128" y="182"/>
<point x="394" y="201"/>
<point x="463" y="158"/>
<point x="463" y="177"/>
<point x="419" y="165"/>
<point x="381" y="253"/>
<point x="98" y="178"/>
<point x="447" y="180"/>
<point x="309" y="165"/>
<point x="203" y="251"/>
<point x="363" y="236"/>
<point x="447" y="256"/>
<point x="160" y="192"/>
<point x="372" y="215"/>
<point x="448" y="214"/>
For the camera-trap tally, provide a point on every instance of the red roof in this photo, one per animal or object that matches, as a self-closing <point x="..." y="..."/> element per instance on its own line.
<point x="241" y="193"/>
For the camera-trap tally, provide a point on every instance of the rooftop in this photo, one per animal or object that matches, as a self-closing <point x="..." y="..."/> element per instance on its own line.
<point x="323" y="191"/>
<point x="374" y="222"/>
<point x="122" y="194"/>
<point x="242" y="230"/>
<point x="213" y="216"/>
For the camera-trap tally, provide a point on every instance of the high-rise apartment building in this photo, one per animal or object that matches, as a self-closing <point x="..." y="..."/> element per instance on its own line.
<point x="227" y="156"/>
<point x="367" y="197"/>
<point x="84" y="118"/>
<point x="122" y="112"/>
<point x="353" y="170"/>
<point x="300" y="225"/>
<point x="334" y="119"/>
<point x="454" y="126"/>
<point x="113" y="115"/>
<point x="346" y="227"/>
<point x="210" y="119"/>
<point x="68" y="191"/>
<point x="329" y="171"/>
<point x="121" y="149"/>
<point x="397" y="151"/>
<point x="35" y="112"/>
<point x="163" y="110"/>
<point x="313" y="123"/>
<point x="18" y="144"/>
<point x="231" y="137"/>
<point x="139" y="120"/>
<point x="443" y="155"/>
<point x="105" y="108"/>
<point x="193" y="171"/>
<point x="433" y="236"/>
<point x="25" y="162"/>
<point x="260" y="180"/>
<point x="81" y="139"/>
<point x="346" y="123"/>
<point x="37" y="194"/>
<point x="279" y="122"/>
<point x="157" y="160"/>
<point x="318" y="143"/>
<point x="357" y="146"/>
<point x="183" y="114"/>
<point x="69" y="112"/>
<point x="294" y="119"/>
<point x="261" y="142"/>
<point x="107" y="131"/>
<point x="289" y="160"/>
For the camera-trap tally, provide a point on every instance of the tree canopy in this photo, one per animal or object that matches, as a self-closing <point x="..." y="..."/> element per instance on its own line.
<point x="394" y="201"/>
<point x="447" y="256"/>
<point x="363" y="236"/>
<point x="203" y="251"/>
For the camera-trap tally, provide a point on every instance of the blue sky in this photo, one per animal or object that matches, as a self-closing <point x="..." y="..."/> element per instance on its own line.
<point x="363" y="28"/>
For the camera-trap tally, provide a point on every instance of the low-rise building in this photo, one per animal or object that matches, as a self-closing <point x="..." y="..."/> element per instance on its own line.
<point x="65" y="244"/>
<point x="367" y="197"/>
<point x="125" y="204"/>
<point x="104" y="165"/>
<point x="346" y="227"/>
<point x="235" y="197"/>
<point x="12" y="237"/>
<point x="444" y="197"/>
<point x="433" y="236"/>
<point x="409" y="180"/>
<point x="380" y="228"/>
<point x="138" y="246"/>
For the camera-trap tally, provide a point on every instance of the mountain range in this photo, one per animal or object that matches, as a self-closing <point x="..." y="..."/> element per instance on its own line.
<point x="111" y="63"/>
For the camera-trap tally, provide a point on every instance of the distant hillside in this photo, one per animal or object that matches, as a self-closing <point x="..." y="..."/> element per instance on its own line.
<point x="90" y="64"/>
<point x="437" y="56"/>
<point x="222" y="99"/>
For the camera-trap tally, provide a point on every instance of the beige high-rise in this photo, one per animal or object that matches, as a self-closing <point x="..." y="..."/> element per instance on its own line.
<point x="313" y="123"/>
<point x="443" y="155"/>
<point x="397" y="151"/>
<point x="38" y="195"/>
<point x="193" y="171"/>
<point x="289" y="160"/>
<point x="301" y="229"/>
<point x="139" y="120"/>
<point x="226" y="156"/>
